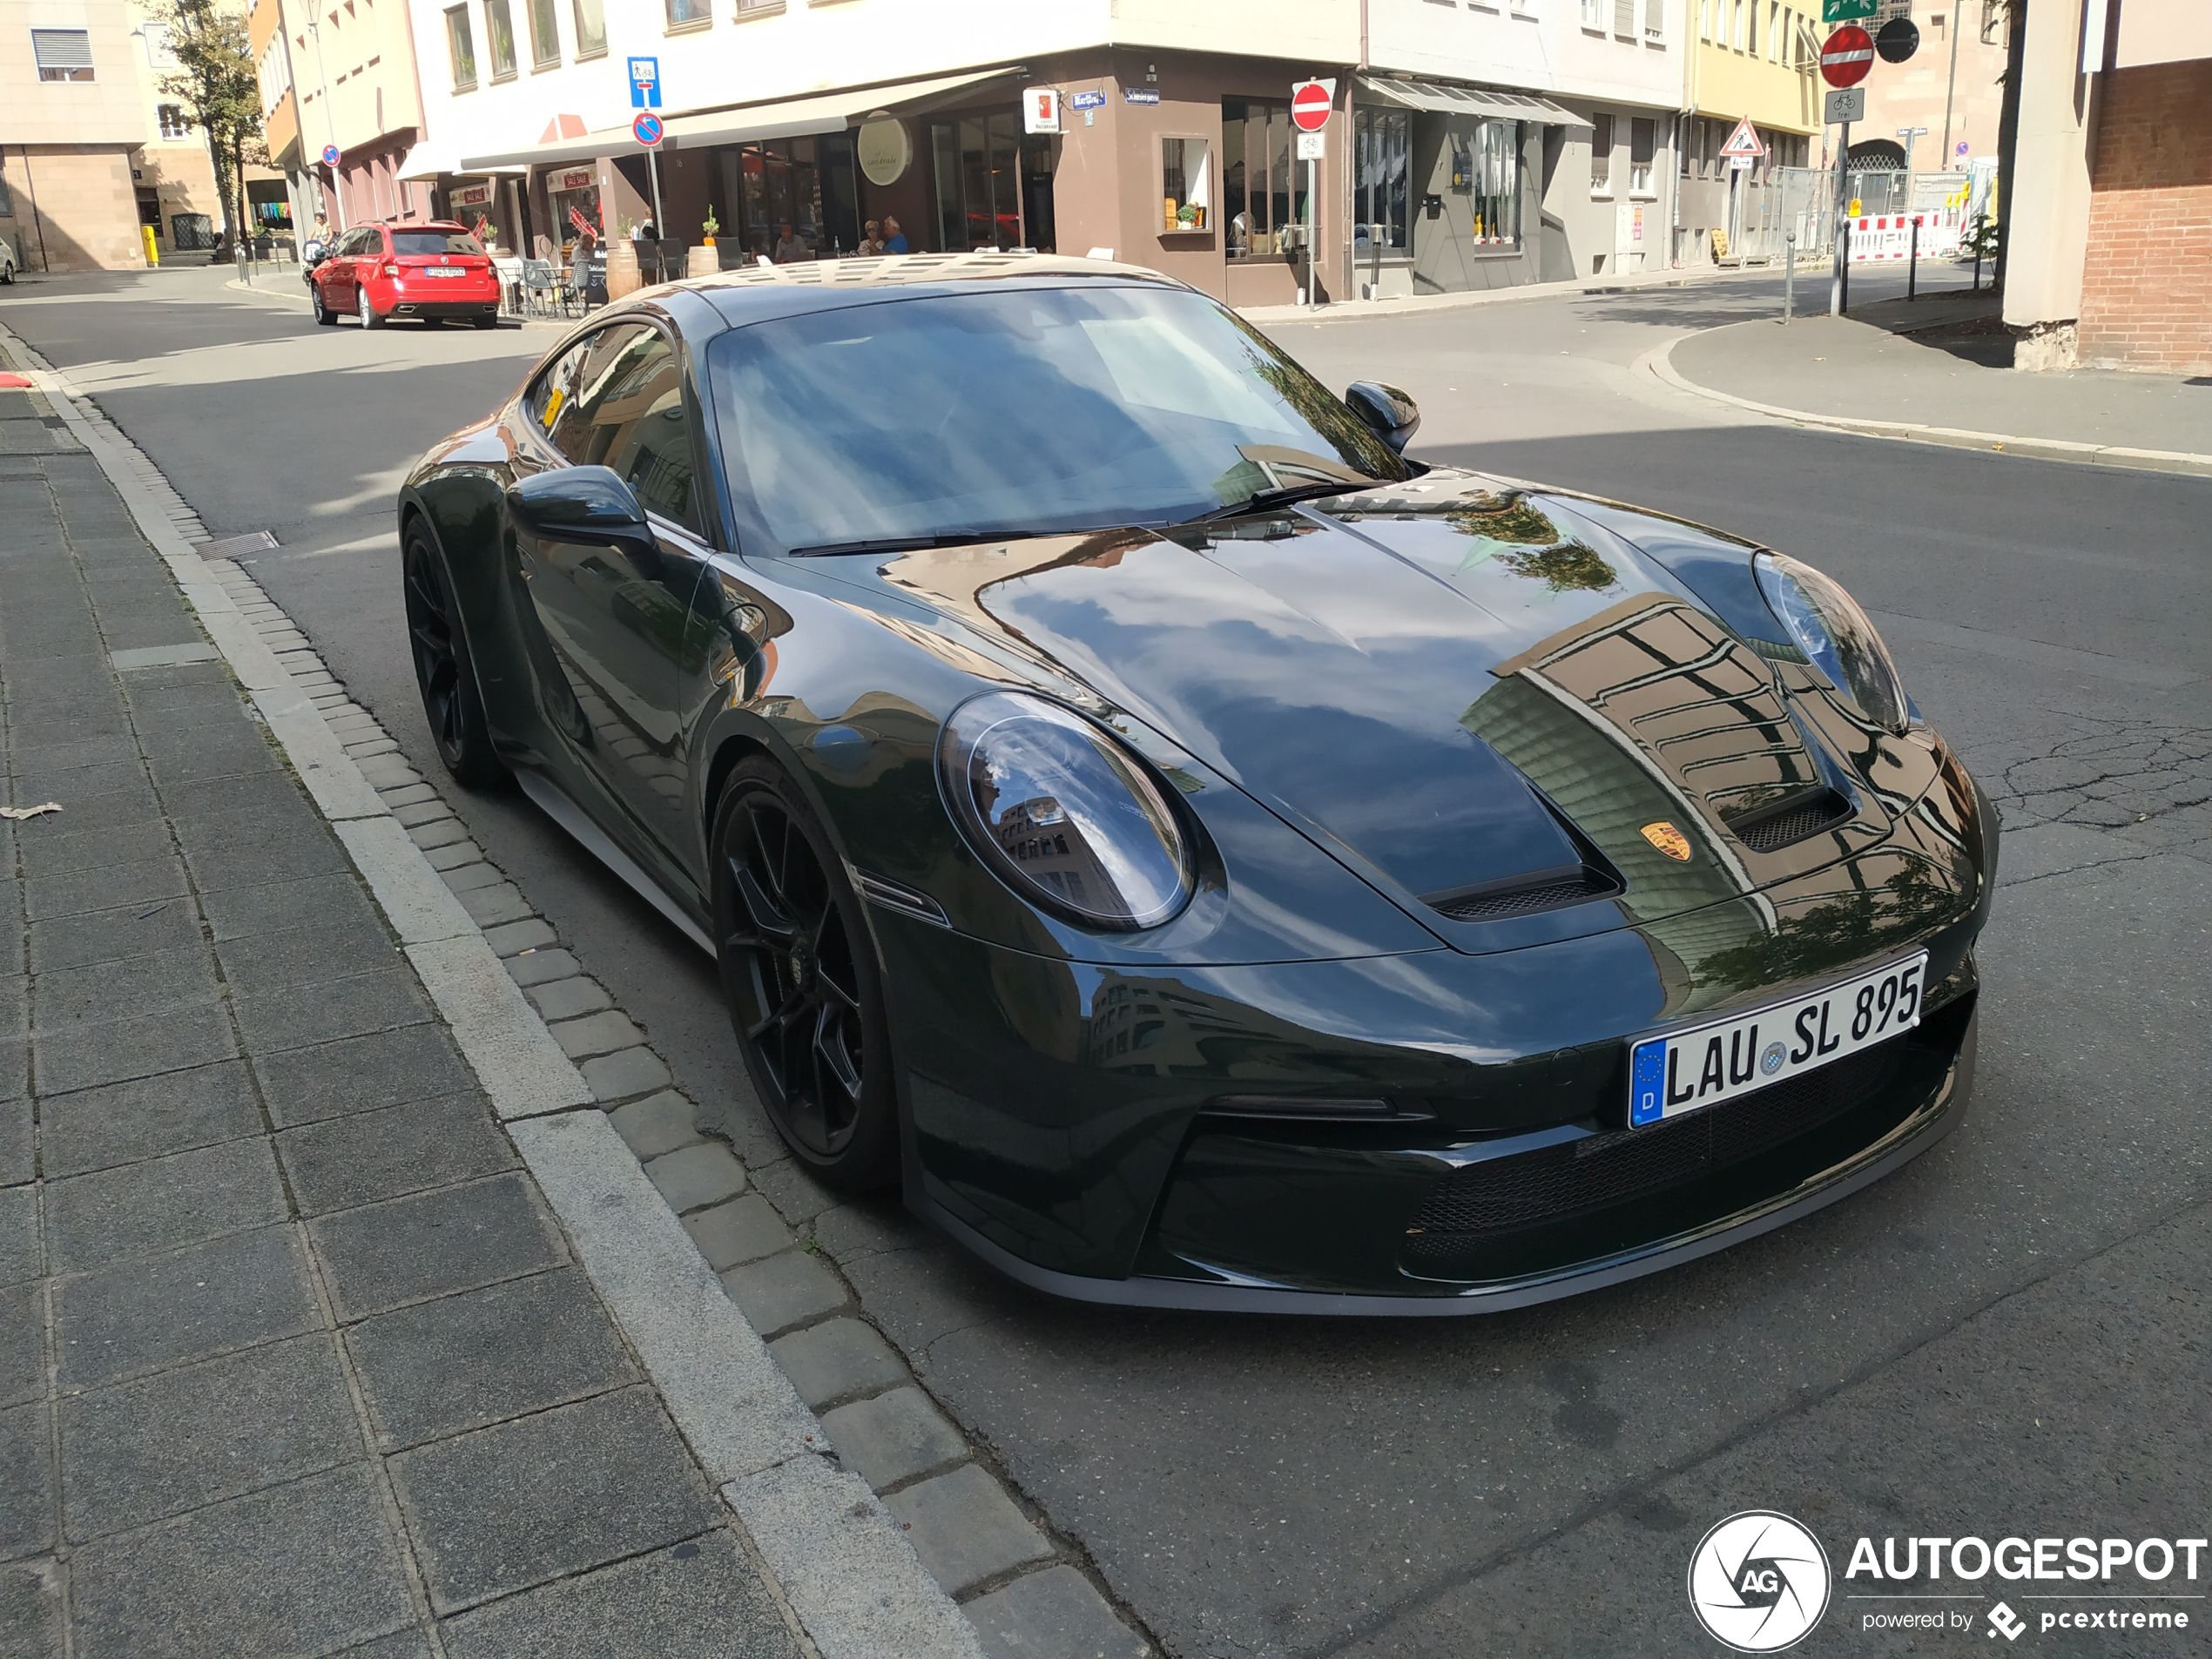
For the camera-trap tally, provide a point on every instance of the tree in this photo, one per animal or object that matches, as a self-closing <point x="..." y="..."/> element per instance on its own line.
<point x="216" y="83"/>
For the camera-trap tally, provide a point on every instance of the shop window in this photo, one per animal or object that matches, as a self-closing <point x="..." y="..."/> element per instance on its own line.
<point x="590" y="27"/>
<point x="545" y="34"/>
<point x="170" y="117"/>
<point x="766" y="186"/>
<point x="63" y="54"/>
<point x="1186" y="183"/>
<point x="460" y="44"/>
<point x="1643" y="141"/>
<point x="686" y="13"/>
<point x="499" y="32"/>
<point x="1494" y="167"/>
<point x="1262" y="191"/>
<point x="1601" y="156"/>
<point x="1382" y="141"/>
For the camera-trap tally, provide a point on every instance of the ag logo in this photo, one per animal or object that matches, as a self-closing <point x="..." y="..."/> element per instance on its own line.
<point x="1758" y="1581"/>
<point x="1668" y="839"/>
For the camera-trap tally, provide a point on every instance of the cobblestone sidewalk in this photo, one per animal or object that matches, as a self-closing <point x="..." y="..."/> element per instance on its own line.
<point x="294" y="1357"/>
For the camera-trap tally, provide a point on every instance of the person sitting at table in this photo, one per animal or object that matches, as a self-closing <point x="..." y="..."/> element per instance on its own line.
<point x="871" y="241"/>
<point x="790" y="249"/>
<point x="894" y="239"/>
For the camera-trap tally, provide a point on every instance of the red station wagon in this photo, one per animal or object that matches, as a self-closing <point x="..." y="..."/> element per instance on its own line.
<point x="432" y="270"/>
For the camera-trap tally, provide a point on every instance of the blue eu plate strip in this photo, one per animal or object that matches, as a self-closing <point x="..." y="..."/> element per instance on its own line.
<point x="1646" y="1080"/>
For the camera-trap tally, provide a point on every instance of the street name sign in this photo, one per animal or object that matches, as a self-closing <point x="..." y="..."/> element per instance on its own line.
<point x="1310" y="101"/>
<point x="644" y="83"/>
<point x="1847" y="56"/>
<point x="1087" y="101"/>
<point x="646" y="128"/>
<point x="1848" y="104"/>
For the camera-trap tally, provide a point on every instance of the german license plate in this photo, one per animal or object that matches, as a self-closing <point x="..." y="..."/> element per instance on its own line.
<point x="444" y="270"/>
<point x="1687" y="1071"/>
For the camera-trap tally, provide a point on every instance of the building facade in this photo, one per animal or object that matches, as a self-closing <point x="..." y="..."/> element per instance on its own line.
<point x="74" y="115"/>
<point x="1941" y="107"/>
<point x="1755" y="62"/>
<point x="352" y="68"/>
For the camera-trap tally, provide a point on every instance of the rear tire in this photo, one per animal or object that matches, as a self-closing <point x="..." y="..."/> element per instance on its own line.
<point x="442" y="670"/>
<point x="801" y="978"/>
<point x="433" y="322"/>
<point x="488" y="322"/>
<point x="369" y="319"/>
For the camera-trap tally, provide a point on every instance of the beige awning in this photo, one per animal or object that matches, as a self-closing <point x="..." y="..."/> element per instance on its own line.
<point x="794" y="117"/>
<point x="1439" y="99"/>
<point x="565" y="139"/>
<point x="430" y="159"/>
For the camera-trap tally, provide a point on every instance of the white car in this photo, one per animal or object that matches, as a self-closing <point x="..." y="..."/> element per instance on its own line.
<point x="7" y="262"/>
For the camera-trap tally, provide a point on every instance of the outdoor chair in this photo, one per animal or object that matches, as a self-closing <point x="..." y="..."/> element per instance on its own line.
<point x="542" y="289"/>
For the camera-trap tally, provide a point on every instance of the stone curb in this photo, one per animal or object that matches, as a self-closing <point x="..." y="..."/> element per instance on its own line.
<point x="1427" y="305"/>
<point x="1658" y="362"/>
<point x="856" y="1585"/>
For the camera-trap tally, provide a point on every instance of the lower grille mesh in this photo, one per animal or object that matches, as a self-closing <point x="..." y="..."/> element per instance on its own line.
<point x="1770" y="829"/>
<point x="1557" y="1182"/>
<point x="1518" y="901"/>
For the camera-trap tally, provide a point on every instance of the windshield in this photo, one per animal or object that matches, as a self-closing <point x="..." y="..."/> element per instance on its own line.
<point x="435" y="242"/>
<point x="1022" y="410"/>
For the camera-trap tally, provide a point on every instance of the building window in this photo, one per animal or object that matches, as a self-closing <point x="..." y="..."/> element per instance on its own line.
<point x="1594" y="14"/>
<point x="545" y="34"/>
<point x="461" y="45"/>
<point x="1493" y="165"/>
<point x="1186" y="183"/>
<point x="499" y="30"/>
<point x="684" y="13"/>
<point x="1382" y="166"/>
<point x="760" y="6"/>
<point x="1601" y="156"/>
<point x="590" y="27"/>
<point x="1624" y="19"/>
<point x="1654" y="19"/>
<point x="63" y="54"/>
<point x="1643" y="142"/>
<point x="170" y="117"/>
<point x="978" y="182"/>
<point x="1262" y="192"/>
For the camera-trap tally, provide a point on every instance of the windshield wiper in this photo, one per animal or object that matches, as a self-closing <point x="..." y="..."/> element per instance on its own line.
<point x="962" y="537"/>
<point x="1281" y="495"/>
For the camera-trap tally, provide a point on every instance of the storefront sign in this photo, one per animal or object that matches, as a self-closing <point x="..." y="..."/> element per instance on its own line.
<point x="1041" y="109"/>
<point x="470" y="195"/>
<point x="1139" y="95"/>
<point x="576" y="179"/>
<point x="885" y="149"/>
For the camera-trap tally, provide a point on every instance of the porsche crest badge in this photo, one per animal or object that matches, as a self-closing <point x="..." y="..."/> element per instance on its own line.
<point x="1668" y="839"/>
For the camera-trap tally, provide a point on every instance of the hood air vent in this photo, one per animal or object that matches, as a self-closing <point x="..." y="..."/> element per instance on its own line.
<point x="1793" y="818"/>
<point x="1553" y="890"/>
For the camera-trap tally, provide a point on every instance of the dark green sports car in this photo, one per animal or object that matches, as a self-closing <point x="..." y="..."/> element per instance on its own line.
<point x="1201" y="856"/>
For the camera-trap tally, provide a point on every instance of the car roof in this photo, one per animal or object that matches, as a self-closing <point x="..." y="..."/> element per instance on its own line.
<point x="419" y="225"/>
<point x="754" y="294"/>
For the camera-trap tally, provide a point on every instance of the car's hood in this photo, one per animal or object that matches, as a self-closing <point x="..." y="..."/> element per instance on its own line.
<point x="1434" y="679"/>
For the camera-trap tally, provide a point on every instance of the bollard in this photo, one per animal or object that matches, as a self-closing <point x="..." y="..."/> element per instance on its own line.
<point x="240" y="249"/>
<point x="1912" y="269"/>
<point x="1788" y="274"/>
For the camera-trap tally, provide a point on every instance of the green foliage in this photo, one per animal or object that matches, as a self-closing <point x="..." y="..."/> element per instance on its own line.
<point x="1981" y="239"/>
<point x="215" y="81"/>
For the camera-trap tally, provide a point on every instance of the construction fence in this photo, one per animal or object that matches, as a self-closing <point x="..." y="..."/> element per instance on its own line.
<point x="1881" y="207"/>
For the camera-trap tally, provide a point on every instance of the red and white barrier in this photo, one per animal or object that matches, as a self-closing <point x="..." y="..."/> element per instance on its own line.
<point x="1889" y="236"/>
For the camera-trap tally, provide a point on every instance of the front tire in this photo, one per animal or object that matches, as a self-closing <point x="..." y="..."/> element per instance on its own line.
<point x="324" y="314"/>
<point x="369" y="319"/>
<point x="800" y="974"/>
<point x="442" y="670"/>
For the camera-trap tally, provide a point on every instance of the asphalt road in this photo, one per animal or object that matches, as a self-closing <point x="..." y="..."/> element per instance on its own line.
<point x="2010" y="1336"/>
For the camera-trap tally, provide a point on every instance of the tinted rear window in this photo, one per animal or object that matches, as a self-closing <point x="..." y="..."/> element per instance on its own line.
<point x="435" y="242"/>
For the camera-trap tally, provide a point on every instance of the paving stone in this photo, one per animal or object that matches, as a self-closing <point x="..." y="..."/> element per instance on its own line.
<point x="779" y="1291"/>
<point x="490" y="907"/>
<point x="280" y="906"/>
<point x="467" y="878"/>
<point x="462" y="1362"/>
<point x="15" y="1004"/>
<point x="439" y="833"/>
<point x="145" y="1118"/>
<point x="361" y="1074"/>
<point x="564" y="998"/>
<point x="402" y="794"/>
<point x="18" y="1158"/>
<point x="129" y="802"/>
<point x="456" y="855"/>
<point x="34" y="758"/>
<point x="141" y="882"/>
<point x="964" y="1528"/>
<point x="30" y="1611"/>
<point x="517" y="936"/>
<point x="299" y="1014"/>
<point x="15" y="1067"/>
<point x="23" y="1343"/>
<point x="110" y="935"/>
<point x="137" y="1209"/>
<point x="430" y="1244"/>
<point x="401" y="1644"/>
<point x="118" y="777"/>
<point x="19" y="1253"/>
<point x="837" y="1360"/>
<point x="798" y="1196"/>
<point x="700" y="1599"/>
<point x="143" y="984"/>
<point x="421" y="811"/>
<point x="272" y="962"/>
<point x="368" y="1156"/>
<point x="617" y="1076"/>
<point x="742" y="1231"/>
<point x="30" y="1517"/>
<point x="596" y="1034"/>
<point x="56" y="849"/>
<point x="657" y="1124"/>
<point x="308" y="1568"/>
<point x="253" y="850"/>
<point x="559" y="1493"/>
<point x="218" y="754"/>
<point x="108" y="1051"/>
<point x="541" y="966"/>
<point x="227" y="798"/>
<point x="369" y="748"/>
<point x="226" y="1294"/>
<point x="692" y="1177"/>
<point x="1056" y="1613"/>
<point x="145" y="1450"/>
<point x="893" y="1437"/>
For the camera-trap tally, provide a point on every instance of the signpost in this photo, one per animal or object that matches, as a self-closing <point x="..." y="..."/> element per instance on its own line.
<point x="1041" y="109"/>
<point x="330" y="155"/>
<point x="1311" y="101"/>
<point x="1845" y="60"/>
<point x="648" y="130"/>
<point x="644" y="83"/>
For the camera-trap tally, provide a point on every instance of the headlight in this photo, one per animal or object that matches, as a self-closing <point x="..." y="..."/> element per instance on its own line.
<point x="1830" y="629"/>
<point x="1066" y="816"/>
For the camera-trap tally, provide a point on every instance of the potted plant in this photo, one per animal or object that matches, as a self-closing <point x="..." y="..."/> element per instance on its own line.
<point x="710" y="226"/>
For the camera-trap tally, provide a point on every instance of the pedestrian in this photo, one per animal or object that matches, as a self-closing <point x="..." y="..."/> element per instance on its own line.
<point x="790" y="250"/>
<point x="894" y="239"/>
<point x="871" y="241"/>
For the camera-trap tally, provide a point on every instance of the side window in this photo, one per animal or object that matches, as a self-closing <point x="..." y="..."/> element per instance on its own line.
<point x="550" y="394"/>
<point x="622" y="406"/>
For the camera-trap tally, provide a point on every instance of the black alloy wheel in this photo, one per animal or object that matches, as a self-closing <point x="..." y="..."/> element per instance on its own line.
<point x="324" y="314"/>
<point x="800" y="973"/>
<point x="450" y="701"/>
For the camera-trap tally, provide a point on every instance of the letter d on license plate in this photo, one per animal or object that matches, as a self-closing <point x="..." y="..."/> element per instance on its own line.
<point x="1687" y="1071"/>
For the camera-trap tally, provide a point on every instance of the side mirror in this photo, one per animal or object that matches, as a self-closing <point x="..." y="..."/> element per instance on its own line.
<point x="588" y="504"/>
<point x="1388" y="411"/>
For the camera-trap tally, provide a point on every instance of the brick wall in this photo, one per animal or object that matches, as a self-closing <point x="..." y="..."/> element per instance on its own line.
<point x="2147" y="283"/>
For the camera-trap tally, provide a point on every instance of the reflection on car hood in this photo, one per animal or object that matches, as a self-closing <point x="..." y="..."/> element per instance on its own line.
<point x="1433" y="678"/>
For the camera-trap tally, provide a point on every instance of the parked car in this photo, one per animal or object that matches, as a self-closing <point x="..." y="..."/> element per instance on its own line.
<point x="1201" y="855"/>
<point x="7" y="262"/>
<point x="430" y="271"/>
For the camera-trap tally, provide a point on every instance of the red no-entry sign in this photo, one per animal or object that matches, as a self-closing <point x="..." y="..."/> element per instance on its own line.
<point x="1847" y="56"/>
<point x="1310" y="105"/>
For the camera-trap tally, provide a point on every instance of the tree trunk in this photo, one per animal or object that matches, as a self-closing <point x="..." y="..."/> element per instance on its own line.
<point x="222" y="196"/>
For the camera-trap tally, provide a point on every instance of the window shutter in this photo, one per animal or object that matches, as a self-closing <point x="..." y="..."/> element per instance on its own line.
<point x="62" y="48"/>
<point x="1624" y="17"/>
<point x="1654" y="19"/>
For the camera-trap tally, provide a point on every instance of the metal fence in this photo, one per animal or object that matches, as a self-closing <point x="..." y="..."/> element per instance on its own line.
<point x="1881" y="202"/>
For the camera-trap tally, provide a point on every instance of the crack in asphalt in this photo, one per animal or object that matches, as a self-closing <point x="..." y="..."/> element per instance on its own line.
<point x="2121" y="774"/>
